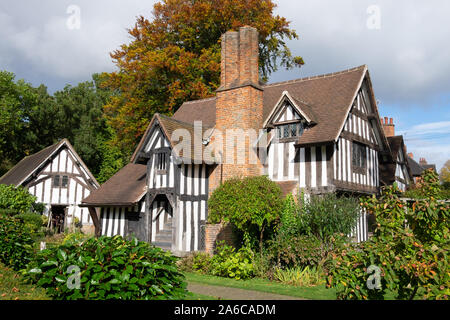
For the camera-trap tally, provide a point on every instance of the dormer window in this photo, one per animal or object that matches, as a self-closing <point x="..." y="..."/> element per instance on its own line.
<point x="290" y="130"/>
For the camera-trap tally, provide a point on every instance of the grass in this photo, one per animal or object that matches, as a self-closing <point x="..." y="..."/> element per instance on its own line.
<point x="12" y="287"/>
<point x="263" y="285"/>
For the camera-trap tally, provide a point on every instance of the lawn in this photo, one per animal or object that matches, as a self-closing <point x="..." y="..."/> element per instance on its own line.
<point x="12" y="287"/>
<point x="257" y="284"/>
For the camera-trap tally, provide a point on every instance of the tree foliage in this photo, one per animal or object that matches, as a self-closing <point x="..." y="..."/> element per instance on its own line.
<point x="31" y="119"/>
<point x="410" y="248"/>
<point x="249" y="203"/>
<point x="175" y="57"/>
<point x="444" y="175"/>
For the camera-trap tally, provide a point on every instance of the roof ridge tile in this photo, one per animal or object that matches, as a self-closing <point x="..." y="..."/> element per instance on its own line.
<point x="322" y="76"/>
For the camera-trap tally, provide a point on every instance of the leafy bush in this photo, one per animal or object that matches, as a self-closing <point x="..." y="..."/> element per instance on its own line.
<point x="410" y="249"/>
<point x="310" y="230"/>
<point x="34" y="221"/>
<point x="16" y="243"/>
<point x="17" y="200"/>
<point x="231" y="263"/>
<point x="298" y="276"/>
<point x="326" y="215"/>
<point x="195" y="262"/>
<point x="110" y="268"/>
<point x="428" y="186"/>
<point x="8" y="212"/>
<point x="302" y="250"/>
<point x="263" y="265"/>
<point x="249" y="203"/>
<point x="74" y="237"/>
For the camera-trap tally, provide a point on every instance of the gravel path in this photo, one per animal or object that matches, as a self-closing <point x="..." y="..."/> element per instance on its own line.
<point x="227" y="293"/>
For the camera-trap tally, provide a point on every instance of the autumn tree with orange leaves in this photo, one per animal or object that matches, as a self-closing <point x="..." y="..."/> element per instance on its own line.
<point x="175" y="57"/>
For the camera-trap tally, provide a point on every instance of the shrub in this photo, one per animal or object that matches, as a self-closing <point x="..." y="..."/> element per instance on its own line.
<point x="17" y="200"/>
<point x="231" y="263"/>
<point x="110" y="268"/>
<point x="74" y="237"/>
<point x="301" y="251"/>
<point x="326" y="215"/>
<point x="249" y="203"/>
<point x="409" y="248"/>
<point x="16" y="243"/>
<point x="428" y="186"/>
<point x="195" y="262"/>
<point x="300" y="276"/>
<point x="310" y="230"/>
<point x="263" y="265"/>
<point x="34" y="222"/>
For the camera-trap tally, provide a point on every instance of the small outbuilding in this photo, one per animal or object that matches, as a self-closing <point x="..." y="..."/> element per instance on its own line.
<point x="58" y="177"/>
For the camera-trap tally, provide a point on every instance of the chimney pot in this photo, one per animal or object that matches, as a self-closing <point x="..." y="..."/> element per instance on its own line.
<point x="391" y="121"/>
<point x="385" y="120"/>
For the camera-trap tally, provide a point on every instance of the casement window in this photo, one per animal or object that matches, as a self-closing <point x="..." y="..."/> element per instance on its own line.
<point x="56" y="181"/>
<point x="359" y="155"/>
<point x="65" y="181"/>
<point x="59" y="181"/>
<point x="161" y="163"/>
<point x="291" y="130"/>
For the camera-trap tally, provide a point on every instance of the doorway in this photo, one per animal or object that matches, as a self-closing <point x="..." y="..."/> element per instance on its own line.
<point x="58" y="217"/>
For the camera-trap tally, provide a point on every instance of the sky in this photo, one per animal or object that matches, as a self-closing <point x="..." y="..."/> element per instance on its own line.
<point x="404" y="43"/>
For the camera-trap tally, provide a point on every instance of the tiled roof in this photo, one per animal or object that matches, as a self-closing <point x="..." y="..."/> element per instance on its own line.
<point x="125" y="188"/>
<point x="416" y="169"/>
<point x="326" y="97"/>
<point x="25" y="167"/>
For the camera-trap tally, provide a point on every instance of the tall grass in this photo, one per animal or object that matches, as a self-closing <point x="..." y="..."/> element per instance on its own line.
<point x="298" y="276"/>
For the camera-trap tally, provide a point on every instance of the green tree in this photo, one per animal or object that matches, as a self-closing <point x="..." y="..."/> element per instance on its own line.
<point x="444" y="175"/>
<point x="175" y="57"/>
<point x="32" y="119"/>
<point x="80" y="113"/>
<point x="249" y="203"/>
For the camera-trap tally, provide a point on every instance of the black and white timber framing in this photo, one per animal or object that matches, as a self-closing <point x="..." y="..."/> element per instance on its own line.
<point x="177" y="192"/>
<point x="328" y="166"/>
<point x="74" y="182"/>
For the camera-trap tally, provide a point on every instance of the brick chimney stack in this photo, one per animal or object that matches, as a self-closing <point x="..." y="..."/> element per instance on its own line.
<point x="422" y="161"/>
<point x="239" y="103"/>
<point x="411" y="155"/>
<point x="388" y="127"/>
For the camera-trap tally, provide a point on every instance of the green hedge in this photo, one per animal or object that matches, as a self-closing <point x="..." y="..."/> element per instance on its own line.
<point x="16" y="243"/>
<point x="109" y="268"/>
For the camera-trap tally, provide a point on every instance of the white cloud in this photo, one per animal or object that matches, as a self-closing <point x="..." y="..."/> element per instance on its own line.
<point x="430" y="141"/>
<point x="41" y="41"/>
<point x="407" y="57"/>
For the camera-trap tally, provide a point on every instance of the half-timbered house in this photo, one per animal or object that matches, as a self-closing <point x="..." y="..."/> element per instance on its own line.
<point x="316" y="135"/>
<point x="58" y="178"/>
<point x="397" y="170"/>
